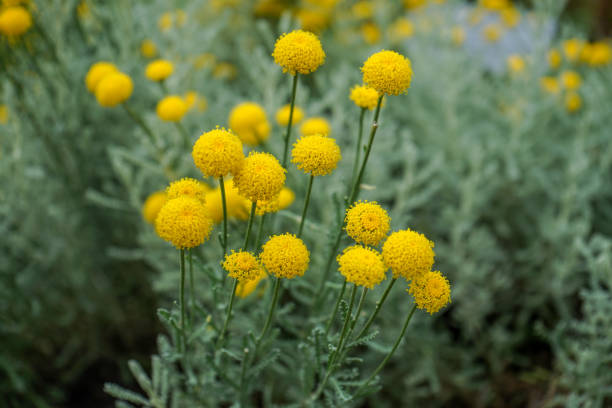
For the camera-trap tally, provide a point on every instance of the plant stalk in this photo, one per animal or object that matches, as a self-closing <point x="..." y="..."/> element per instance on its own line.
<point x="224" y="205"/>
<point x="290" y="123"/>
<point x="376" y="309"/>
<point x="305" y="209"/>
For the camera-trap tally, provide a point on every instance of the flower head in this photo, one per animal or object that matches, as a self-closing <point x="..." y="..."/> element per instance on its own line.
<point x="516" y="63"/>
<point x="237" y="206"/>
<point x="183" y="222"/>
<point x="113" y="89"/>
<point x="261" y="177"/>
<point x="148" y="48"/>
<point x="573" y="102"/>
<point x="245" y="288"/>
<point x="159" y="70"/>
<point x="285" y="198"/>
<point x="601" y="54"/>
<point x="217" y="153"/>
<point x="571" y="80"/>
<point x="317" y="155"/>
<point x="362" y="266"/>
<point x="152" y="205"/>
<point x="572" y="48"/>
<point x="554" y="58"/>
<point x="249" y="121"/>
<point x="367" y="222"/>
<point x="388" y="72"/>
<point x="268" y="206"/>
<point x="431" y="291"/>
<point x="299" y="51"/>
<point x="15" y="21"/>
<point x="492" y="32"/>
<point x="315" y="125"/>
<point x="458" y="35"/>
<point x="550" y="85"/>
<point x="285" y="256"/>
<point x="242" y="265"/>
<point x="364" y="96"/>
<point x="282" y="115"/>
<point x="408" y="254"/>
<point x="97" y="72"/>
<point x="187" y="187"/>
<point x="172" y="108"/>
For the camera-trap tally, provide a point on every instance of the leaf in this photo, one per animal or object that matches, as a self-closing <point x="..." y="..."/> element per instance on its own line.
<point x="124" y="394"/>
<point x="364" y="340"/>
<point x="141" y="377"/>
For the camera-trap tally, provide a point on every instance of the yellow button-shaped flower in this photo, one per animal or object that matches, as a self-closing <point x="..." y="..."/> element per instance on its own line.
<point x="249" y="121"/>
<point x="218" y="153"/>
<point x="97" y="72"/>
<point x="183" y="222"/>
<point x="364" y="96"/>
<point x="172" y="108"/>
<point x="316" y="125"/>
<point x="261" y="177"/>
<point x="299" y="51"/>
<point x="408" y="254"/>
<point x="367" y="222"/>
<point x="317" y="155"/>
<point x="282" y="115"/>
<point x="152" y="205"/>
<point x="388" y="72"/>
<point x="285" y="256"/>
<point x="431" y="291"/>
<point x="362" y="266"/>
<point x="159" y="70"/>
<point x="15" y="21"/>
<point x="114" y="89"/>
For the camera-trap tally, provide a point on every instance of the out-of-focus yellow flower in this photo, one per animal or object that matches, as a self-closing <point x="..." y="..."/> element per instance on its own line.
<point x="431" y="291"/>
<point x="573" y="102"/>
<point x="15" y="21"/>
<point x="83" y="10"/>
<point x="165" y="21"/>
<point x="97" y="72"/>
<point x="268" y="206"/>
<point x="494" y="4"/>
<point x="364" y="96"/>
<point x="510" y="16"/>
<point x="601" y="54"/>
<point x="476" y="16"/>
<point x="458" y="35"/>
<point x="572" y="49"/>
<point x="282" y="115"/>
<point x="550" y="85"/>
<point x="363" y="9"/>
<point x="172" y="108"/>
<point x="414" y="4"/>
<point x="516" y="64"/>
<point x="554" y="58"/>
<point x="204" y="60"/>
<point x="286" y="197"/>
<point x="298" y="52"/>
<point x="237" y="206"/>
<point x="388" y="72"/>
<point x="401" y="28"/>
<point x="248" y="120"/>
<point x="187" y="187"/>
<point x="159" y="70"/>
<point x="193" y="100"/>
<point x="492" y="32"/>
<point x="152" y="205"/>
<point x="148" y="48"/>
<point x="114" y="89"/>
<point x="315" y="20"/>
<point x="225" y="70"/>
<point x="316" y="125"/>
<point x="246" y="288"/>
<point x="370" y="32"/>
<point x="269" y="8"/>
<point x="571" y="80"/>
<point x="181" y="17"/>
<point x="4" y="114"/>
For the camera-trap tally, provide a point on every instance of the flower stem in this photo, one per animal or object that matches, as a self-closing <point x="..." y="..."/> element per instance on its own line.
<point x="333" y="315"/>
<point x="224" y="205"/>
<point x="260" y="229"/>
<point x="191" y="286"/>
<point x="357" y="182"/>
<point x="358" y="147"/>
<point x="182" y="293"/>
<point x="249" y="226"/>
<point x="389" y="355"/>
<point x="228" y="316"/>
<point x="136" y="118"/>
<point x="376" y="310"/>
<point x="290" y="123"/>
<point x="364" y="292"/>
<point x="270" y="312"/>
<point x="184" y="134"/>
<point x="306" y="202"/>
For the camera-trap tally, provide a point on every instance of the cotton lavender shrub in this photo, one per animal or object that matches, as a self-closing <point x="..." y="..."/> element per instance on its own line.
<point x="341" y="203"/>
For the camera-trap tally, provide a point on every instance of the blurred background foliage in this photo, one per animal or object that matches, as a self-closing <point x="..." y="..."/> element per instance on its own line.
<point x="513" y="188"/>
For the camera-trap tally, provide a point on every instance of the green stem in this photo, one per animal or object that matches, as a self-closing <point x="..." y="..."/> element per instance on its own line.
<point x="184" y="134"/>
<point x="389" y="355"/>
<point x="140" y="122"/>
<point x="306" y="202"/>
<point x="333" y="315"/>
<point x="182" y="292"/>
<point x="376" y="310"/>
<point x="224" y="205"/>
<point x="260" y="229"/>
<point x="249" y="226"/>
<point x="290" y="123"/>
<point x="330" y="261"/>
<point x="191" y="285"/>
<point x="228" y="316"/>
<point x="358" y="147"/>
<point x="364" y="292"/>
<point x="357" y="182"/>
<point x="270" y="312"/>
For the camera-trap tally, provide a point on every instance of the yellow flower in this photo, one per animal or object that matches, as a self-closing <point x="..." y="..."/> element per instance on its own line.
<point x="165" y="21"/>
<point x="183" y="222"/>
<point x="361" y="266"/>
<point x="299" y="51"/>
<point x="242" y="265"/>
<point x="571" y="80"/>
<point x="408" y="254"/>
<point x="363" y="9"/>
<point x="431" y="291"/>
<point x="172" y="108"/>
<point x="192" y="99"/>
<point x="510" y="16"/>
<point x="367" y="222"/>
<point x="492" y="32"/>
<point x="159" y="70"/>
<point x="187" y="187"/>
<point x="282" y="115"/>
<point x="388" y="72"/>
<point x="316" y="125"/>
<point x="458" y="35"/>
<point x="371" y="33"/>
<point x="573" y="102"/>
<point x="550" y="85"/>
<point x="414" y="4"/>
<point x="204" y="60"/>
<point x="314" y="20"/>
<point x="245" y="288"/>
<point x="317" y="155"/>
<point x="516" y="64"/>
<point x="97" y="72"/>
<point x="494" y="4"/>
<point x="249" y="121"/>
<point x="83" y="10"/>
<point x="285" y="198"/>
<point x="237" y="206"/>
<point x="217" y="153"/>
<point x="401" y="28"/>
<point x="148" y="49"/>
<point x="601" y="54"/>
<point x="285" y="256"/>
<point x="268" y="206"/>
<point x="4" y="114"/>
<point x="15" y="21"/>
<point x="114" y="89"/>
<point x="554" y="58"/>
<point x="152" y="205"/>
<point x="225" y="70"/>
<point x="261" y="177"/>
<point x="364" y="96"/>
<point x="572" y="49"/>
